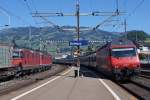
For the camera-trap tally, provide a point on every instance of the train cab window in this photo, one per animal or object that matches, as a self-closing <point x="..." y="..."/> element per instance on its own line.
<point x="123" y="52"/>
<point x="17" y="54"/>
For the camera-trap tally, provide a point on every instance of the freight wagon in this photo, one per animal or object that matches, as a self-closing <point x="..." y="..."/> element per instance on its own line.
<point x="5" y="59"/>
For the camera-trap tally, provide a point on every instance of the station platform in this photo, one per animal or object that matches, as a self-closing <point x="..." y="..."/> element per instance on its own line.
<point x="65" y="86"/>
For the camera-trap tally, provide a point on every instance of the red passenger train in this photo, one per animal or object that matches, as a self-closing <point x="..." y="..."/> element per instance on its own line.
<point x="118" y="58"/>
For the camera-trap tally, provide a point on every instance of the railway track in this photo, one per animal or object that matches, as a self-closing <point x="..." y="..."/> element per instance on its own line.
<point x="145" y="72"/>
<point x="17" y="83"/>
<point x="145" y="76"/>
<point x="145" y="69"/>
<point x="25" y="73"/>
<point x="139" y="87"/>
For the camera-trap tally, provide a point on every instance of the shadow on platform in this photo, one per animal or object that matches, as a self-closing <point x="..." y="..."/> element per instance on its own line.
<point x="92" y="73"/>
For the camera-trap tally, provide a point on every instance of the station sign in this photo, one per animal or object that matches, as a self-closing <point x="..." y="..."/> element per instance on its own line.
<point x="78" y="43"/>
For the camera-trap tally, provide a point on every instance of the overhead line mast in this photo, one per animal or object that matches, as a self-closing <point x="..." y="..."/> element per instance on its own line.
<point x="78" y="32"/>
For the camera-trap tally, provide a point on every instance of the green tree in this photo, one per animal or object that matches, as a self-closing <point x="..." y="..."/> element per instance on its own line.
<point x="137" y="35"/>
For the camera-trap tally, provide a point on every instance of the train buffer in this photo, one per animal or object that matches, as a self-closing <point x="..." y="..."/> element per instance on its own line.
<point x="65" y="87"/>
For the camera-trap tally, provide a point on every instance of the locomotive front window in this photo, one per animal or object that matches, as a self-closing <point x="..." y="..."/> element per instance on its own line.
<point x="16" y="54"/>
<point x="123" y="52"/>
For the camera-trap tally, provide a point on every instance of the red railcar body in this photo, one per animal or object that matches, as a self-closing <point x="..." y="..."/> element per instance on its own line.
<point x="28" y="59"/>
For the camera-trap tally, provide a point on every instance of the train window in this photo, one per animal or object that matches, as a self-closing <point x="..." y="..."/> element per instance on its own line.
<point x="123" y="52"/>
<point x="16" y="54"/>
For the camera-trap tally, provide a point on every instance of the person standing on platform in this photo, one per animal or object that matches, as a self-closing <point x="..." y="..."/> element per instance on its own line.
<point x="77" y="68"/>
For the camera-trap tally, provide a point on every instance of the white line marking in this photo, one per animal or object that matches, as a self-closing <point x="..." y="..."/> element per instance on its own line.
<point x="34" y="89"/>
<point x="110" y="90"/>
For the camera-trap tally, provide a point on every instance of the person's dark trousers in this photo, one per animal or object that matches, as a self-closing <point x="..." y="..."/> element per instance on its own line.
<point x="75" y="73"/>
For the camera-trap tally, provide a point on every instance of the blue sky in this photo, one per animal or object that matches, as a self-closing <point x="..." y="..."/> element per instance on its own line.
<point x="20" y="13"/>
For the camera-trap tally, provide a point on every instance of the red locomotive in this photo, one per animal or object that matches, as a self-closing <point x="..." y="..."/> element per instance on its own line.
<point x="19" y="61"/>
<point x="29" y="60"/>
<point x="118" y="58"/>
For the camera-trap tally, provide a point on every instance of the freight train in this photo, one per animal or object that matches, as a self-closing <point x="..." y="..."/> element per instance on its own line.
<point x="14" y="61"/>
<point x="117" y="59"/>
